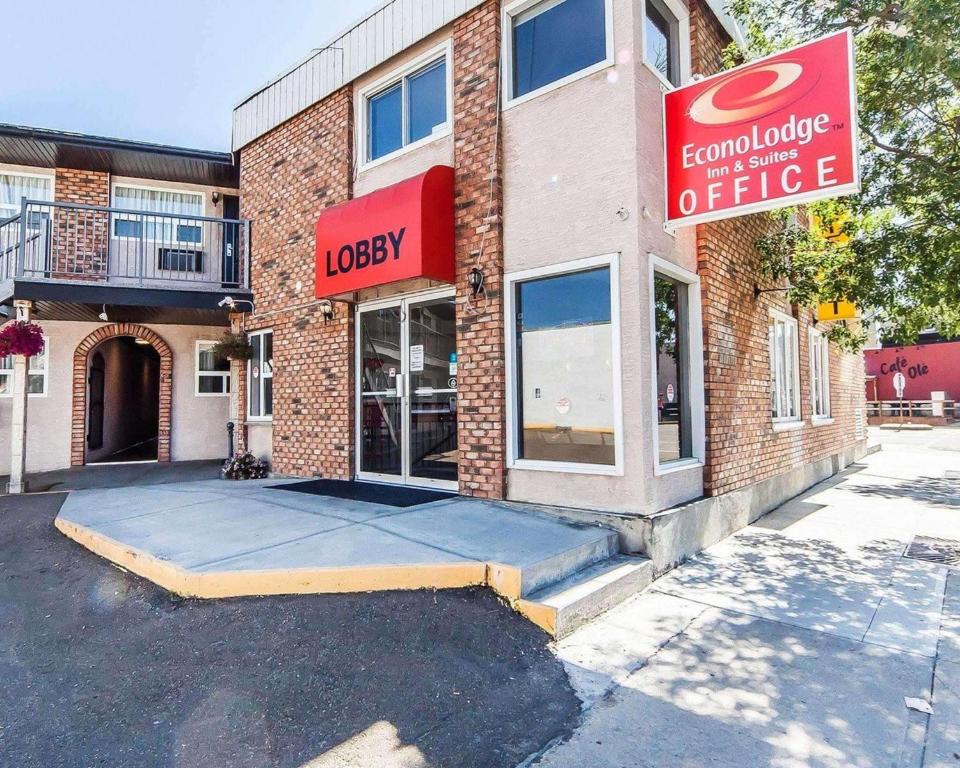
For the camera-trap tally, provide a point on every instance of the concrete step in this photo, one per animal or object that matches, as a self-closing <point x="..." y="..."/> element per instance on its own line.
<point x="540" y="574"/>
<point x="562" y="607"/>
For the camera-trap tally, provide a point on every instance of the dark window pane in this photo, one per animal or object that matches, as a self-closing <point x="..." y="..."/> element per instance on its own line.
<point x="255" y="373"/>
<point x="660" y="51"/>
<point x="565" y="369"/>
<point x="557" y="42"/>
<point x="386" y="122"/>
<point x="673" y="402"/>
<point x="35" y="384"/>
<point x="580" y="298"/>
<point x="212" y="385"/>
<point x="127" y="228"/>
<point x="268" y="397"/>
<point x="427" y="100"/>
<point x="189" y="233"/>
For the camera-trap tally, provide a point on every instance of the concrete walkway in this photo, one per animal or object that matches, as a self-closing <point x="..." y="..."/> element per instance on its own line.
<point x="805" y="640"/>
<point x="217" y="538"/>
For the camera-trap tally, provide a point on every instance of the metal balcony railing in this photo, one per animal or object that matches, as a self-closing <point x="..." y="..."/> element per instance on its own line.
<point x="68" y="241"/>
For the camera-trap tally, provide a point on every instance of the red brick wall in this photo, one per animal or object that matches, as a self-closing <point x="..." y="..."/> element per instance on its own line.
<point x="80" y="238"/>
<point x="742" y="447"/>
<point x="287" y="177"/>
<point x="480" y="337"/>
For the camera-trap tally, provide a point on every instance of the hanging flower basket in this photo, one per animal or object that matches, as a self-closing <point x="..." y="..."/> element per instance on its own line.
<point x="234" y="346"/>
<point x="21" y="338"/>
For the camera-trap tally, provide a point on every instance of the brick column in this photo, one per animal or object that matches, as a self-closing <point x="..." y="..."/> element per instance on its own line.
<point x="479" y="242"/>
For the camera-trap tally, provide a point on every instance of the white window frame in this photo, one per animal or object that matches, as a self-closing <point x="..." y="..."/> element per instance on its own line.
<point x="361" y="139"/>
<point x="225" y="375"/>
<point x="44" y="373"/>
<point x="13" y="171"/>
<point x="681" y="14"/>
<point x="172" y="190"/>
<point x="786" y="422"/>
<point x="694" y="346"/>
<point x="263" y="375"/>
<point x="612" y="262"/>
<point x="820" y="377"/>
<point x="512" y="10"/>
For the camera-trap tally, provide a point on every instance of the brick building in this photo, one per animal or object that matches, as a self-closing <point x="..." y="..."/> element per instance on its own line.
<point x="122" y="252"/>
<point x="575" y="353"/>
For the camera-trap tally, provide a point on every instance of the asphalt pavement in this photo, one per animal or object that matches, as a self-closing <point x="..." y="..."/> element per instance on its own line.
<point x="101" y="668"/>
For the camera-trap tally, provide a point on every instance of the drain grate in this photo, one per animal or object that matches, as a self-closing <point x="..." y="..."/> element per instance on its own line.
<point x="943" y="551"/>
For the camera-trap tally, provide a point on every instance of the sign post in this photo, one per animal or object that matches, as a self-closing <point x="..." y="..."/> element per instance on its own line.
<point x="778" y="131"/>
<point x="900" y="384"/>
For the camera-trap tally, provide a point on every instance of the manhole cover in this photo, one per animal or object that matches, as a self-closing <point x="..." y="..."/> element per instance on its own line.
<point x="943" y="551"/>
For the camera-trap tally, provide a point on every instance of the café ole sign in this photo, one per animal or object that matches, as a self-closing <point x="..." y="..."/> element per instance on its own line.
<point x="396" y="233"/>
<point x="774" y="132"/>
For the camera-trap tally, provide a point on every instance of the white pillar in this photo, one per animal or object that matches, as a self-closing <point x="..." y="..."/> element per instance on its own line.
<point x="18" y="414"/>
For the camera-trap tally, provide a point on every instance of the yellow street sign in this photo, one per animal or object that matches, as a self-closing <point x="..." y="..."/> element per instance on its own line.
<point x="836" y="310"/>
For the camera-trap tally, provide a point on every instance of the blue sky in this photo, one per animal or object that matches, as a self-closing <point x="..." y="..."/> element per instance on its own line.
<point x="168" y="71"/>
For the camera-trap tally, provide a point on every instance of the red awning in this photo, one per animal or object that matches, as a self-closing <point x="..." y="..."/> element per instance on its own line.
<point x="396" y="233"/>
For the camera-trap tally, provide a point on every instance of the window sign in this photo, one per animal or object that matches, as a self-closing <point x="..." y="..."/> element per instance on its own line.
<point x="416" y="358"/>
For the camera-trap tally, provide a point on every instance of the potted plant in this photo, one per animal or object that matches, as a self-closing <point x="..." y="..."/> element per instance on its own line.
<point x="234" y="346"/>
<point x="245" y="466"/>
<point x="21" y="338"/>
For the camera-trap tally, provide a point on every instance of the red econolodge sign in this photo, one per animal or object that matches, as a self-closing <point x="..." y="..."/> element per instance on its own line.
<point x="398" y="232"/>
<point x="774" y="132"/>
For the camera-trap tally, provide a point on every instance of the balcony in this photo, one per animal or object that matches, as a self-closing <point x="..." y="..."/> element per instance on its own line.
<point x="70" y="253"/>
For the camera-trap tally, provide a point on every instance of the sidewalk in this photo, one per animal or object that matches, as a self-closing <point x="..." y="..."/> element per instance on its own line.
<point x="794" y="642"/>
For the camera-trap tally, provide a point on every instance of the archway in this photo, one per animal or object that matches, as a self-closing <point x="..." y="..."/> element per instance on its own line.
<point x="164" y="386"/>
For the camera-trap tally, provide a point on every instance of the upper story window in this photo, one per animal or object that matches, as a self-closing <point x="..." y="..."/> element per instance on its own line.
<point x="552" y="41"/>
<point x="410" y="107"/>
<point x="784" y="368"/>
<point x="36" y="372"/>
<point x="14" y="187"/>
<point x="170" y="222"/>
<point x="666" y="39"/>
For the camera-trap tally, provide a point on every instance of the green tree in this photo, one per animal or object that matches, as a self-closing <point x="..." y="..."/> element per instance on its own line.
<point x="900" y="260"/>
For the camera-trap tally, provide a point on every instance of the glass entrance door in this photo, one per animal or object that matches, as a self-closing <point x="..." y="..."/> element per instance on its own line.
<point x="381" y="382"/>
<point x="407" y="391"/>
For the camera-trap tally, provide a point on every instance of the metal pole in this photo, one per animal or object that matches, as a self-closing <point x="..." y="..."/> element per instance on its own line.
<point x="230" y="428"/>
<point x="18" y="415"/>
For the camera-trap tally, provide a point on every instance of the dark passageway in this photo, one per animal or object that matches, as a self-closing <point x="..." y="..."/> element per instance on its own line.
<point x="123" y="401"/>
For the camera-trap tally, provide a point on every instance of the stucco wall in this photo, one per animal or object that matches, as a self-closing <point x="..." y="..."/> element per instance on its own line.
<point x="583" y="177"/>
<point x="199" y="423"/>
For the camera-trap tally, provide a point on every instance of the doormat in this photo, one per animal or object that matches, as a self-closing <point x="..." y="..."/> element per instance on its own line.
<point x="943" y="551"/>
<point x="374" y="493"/>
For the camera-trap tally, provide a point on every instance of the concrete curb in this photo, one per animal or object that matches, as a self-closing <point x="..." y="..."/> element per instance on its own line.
<point x="210" y="585"/>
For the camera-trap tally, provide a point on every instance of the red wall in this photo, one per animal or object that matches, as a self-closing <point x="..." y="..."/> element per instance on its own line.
<point x="928" y="368"/>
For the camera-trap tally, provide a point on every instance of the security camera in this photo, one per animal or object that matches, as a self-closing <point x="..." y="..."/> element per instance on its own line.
<point x="227" y="301"/>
